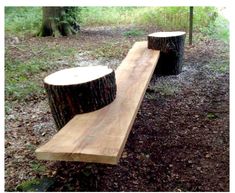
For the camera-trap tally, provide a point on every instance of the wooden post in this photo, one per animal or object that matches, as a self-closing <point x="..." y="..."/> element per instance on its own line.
<point x="79" y="90"/>
<point x="190" y="25"/>
<point x="171" y="46"/>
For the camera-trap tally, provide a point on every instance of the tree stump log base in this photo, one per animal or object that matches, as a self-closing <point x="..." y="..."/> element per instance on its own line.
<point x="171" y="46"/>
<point x="79" y="90"/>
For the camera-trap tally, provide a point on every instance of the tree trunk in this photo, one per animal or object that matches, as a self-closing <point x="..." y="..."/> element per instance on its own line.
<point x="171" y="46"/>
<point x="55" y="22"/>
<point x="79" y="90"/>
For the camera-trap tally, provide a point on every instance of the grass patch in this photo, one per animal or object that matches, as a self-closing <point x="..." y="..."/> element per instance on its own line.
<point x="150" y="96"/>
<point x="19" y="84"/>
<point x="166" y="90"/>
<point x="219" y="67"/>
<point x="111" y="50"/>
<point x="23" y="79"/>
<point x="21" y="20"/>
<point x="134" y="32"/>
<point x="163" y="89"/>
<point x="220" y="64"/>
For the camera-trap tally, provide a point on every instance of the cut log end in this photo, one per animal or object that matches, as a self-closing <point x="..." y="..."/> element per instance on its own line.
<point x="79" y="90"/>
<point x="167" y="34"/>
<point x="78" y="75"/>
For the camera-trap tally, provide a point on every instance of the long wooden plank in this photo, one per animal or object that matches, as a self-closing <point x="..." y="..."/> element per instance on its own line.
<point x="100" y="136"/>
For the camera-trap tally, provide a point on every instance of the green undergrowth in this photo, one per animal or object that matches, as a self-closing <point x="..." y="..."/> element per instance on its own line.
<point x="36" y="185"/>
<point x="19" y="83"/>
<point x="220" y="64"/>
<point x="207" y="20"/>
<point x="133" y="32"/>
<point x="23" y="77"/>
<point x="22" y="20"/>
<point x="219" y="67"/>
<point x="211" y="116"/>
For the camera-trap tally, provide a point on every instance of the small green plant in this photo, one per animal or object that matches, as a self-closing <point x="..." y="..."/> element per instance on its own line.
<point x="86" y="172"/>
<point x="31" y="147"/>
<point x="37" y="167"/>
<point x="7" y="107"/>
<point x="28" y="186"/>
<point x="167" y="91"/>
<point x="35" y="185"/>
<point x="211" y="115"/>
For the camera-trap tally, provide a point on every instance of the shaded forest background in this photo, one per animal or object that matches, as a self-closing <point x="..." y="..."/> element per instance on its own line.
<point x="207" y="20"/>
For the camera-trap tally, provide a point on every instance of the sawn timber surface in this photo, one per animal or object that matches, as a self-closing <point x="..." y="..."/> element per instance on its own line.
<point x="100" y="136"/>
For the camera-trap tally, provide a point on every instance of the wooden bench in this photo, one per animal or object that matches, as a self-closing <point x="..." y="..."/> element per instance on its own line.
<point x="100" y="136"/>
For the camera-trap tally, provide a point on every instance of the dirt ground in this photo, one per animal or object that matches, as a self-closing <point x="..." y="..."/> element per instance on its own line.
<point x="179" y="140"/>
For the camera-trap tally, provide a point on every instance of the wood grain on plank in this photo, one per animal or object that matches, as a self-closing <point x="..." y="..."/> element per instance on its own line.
<point x="100" y="136"/>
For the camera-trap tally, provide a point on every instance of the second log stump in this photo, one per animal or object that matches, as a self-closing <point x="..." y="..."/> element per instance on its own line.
<point x="79" y="90"/>
<point x="171" y="46"/>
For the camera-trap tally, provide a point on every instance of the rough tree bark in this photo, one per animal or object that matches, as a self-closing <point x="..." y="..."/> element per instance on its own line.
<point x="171" y="46"/>
<point x="79" y="90"/>
<point x="58" y="21"/>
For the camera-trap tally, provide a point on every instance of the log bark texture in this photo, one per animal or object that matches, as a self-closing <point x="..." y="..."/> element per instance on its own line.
<point x="171" y="46"/>
<point x="70" y="99"/>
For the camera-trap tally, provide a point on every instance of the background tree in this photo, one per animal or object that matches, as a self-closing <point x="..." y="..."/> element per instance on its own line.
<point x="59" y="21"/>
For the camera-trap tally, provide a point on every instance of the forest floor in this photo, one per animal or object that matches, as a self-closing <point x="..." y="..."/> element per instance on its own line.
<point x="180" y="137"/>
